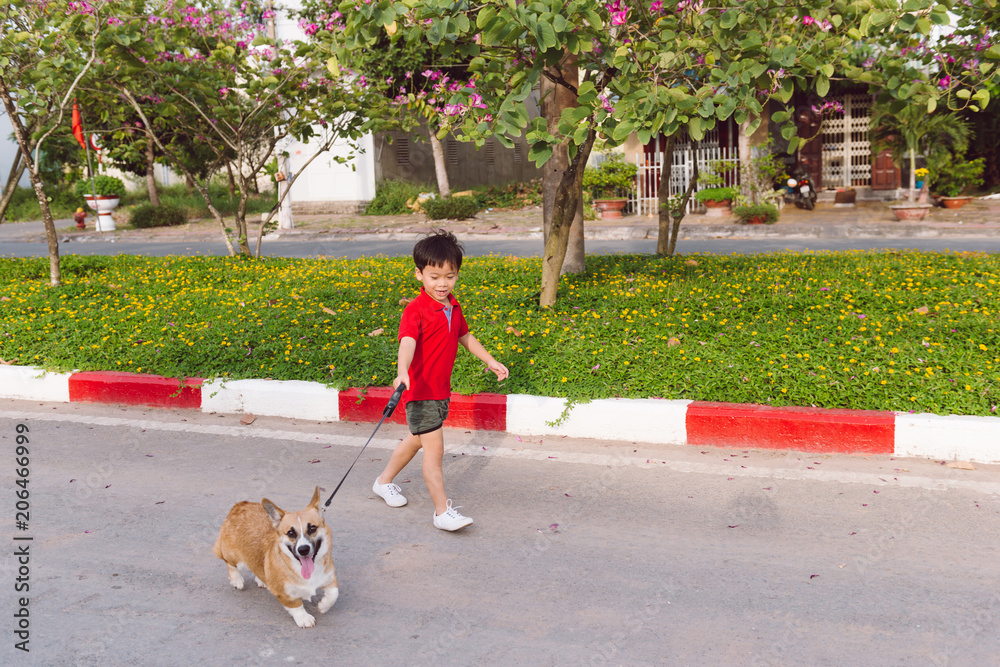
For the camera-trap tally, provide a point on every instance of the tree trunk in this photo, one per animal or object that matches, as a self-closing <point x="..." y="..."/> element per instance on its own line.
<point x="555" y="99"/>
<point x="440" y="168"/>
<point x="746" y="189"/>
<point x="912" y="197"/>
<point x="665" y="241"/>
<point x="567" y="200"/>
<point x="55" y="275"/>
<point x="232" y="181"/>
<point x="189" y="183"/>
<point x="154" y="194"/>
<point x="16" y="172"/>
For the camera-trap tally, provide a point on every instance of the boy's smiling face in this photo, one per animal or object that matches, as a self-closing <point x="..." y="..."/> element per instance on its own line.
<point x="438" y="281"/>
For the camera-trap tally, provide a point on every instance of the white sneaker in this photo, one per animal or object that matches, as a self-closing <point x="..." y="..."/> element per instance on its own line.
<point x="451" y="519"/>
<point x="390" y="493"/>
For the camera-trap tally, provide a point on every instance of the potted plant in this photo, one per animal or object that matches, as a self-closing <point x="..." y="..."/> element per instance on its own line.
<point x="102" y="193"/>
<point x="757" y="214"/>
<point x="954" y="177"/>
<point x="604" y="182"/>
<point x="716" y="200"/>
<point x="921" y="176"/>
<point x="906" y="129"/>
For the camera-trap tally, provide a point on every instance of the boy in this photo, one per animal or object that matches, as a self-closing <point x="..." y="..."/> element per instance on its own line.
<point x="430" y="330"/>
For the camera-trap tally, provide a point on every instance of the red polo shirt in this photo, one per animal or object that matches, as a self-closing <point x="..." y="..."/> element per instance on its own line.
<point x="425" y="320"/>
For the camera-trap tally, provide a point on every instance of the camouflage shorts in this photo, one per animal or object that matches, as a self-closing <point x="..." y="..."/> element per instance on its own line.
<point x="426" y="416"/>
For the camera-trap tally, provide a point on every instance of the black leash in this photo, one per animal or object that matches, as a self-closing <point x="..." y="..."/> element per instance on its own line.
<point x="389" y="408"/>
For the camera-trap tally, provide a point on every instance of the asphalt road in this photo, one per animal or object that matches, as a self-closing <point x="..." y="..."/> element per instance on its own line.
<point x="505" y="247"/>
<point x="583" y="552"/>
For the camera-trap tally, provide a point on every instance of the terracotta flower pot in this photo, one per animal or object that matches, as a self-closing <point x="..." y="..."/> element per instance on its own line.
<point x="910" y="212"/>
<point x="717" y="209"/>
<point x="954" y="202"/>
<point x="610" y="208"/>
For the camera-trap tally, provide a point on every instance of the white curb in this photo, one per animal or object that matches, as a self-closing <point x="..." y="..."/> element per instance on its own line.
<point x="294" y="399"/>
<point x="33" y="384"/>
<point x="642" y="419"/>
<point x="952" y="437"/>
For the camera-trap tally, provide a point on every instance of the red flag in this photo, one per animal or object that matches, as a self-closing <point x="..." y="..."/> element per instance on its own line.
<point x="78" y="125"/>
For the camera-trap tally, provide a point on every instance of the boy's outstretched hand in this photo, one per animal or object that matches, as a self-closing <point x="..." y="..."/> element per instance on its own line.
<point x="498" y="368"/>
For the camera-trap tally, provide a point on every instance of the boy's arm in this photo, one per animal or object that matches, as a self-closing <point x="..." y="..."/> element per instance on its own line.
<point x="407" y="346"/>
<point x="470" y="343"/>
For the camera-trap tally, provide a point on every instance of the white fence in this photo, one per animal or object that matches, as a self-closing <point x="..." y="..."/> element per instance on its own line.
<point x="645" y="199"/>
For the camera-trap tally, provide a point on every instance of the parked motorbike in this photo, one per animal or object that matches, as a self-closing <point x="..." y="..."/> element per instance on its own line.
<point x="801" y="192"/>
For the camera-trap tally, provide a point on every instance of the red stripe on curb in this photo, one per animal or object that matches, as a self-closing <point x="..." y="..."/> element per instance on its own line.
<point x="483" y="412"/>
<point x="806" y="429"/>
<point x="135" y="389"/>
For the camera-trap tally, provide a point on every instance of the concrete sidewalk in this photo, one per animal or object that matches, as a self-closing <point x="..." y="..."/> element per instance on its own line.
<point x="865" y="220"/>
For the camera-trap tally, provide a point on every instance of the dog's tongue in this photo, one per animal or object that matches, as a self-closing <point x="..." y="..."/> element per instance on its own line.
<point x="307" y="567"/>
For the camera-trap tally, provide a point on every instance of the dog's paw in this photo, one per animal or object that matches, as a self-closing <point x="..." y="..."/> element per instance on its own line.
<point x="235" y="578"/>
<point x="260" y="583"/>
<point x="329" y="598"/>
<point x="303" y="619"/>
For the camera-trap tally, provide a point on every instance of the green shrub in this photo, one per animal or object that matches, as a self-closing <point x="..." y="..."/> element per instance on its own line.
<point x="451" y="208"/>
<point x="757" y="213"/>
<point x="24" y="205"/>
<point x="516" y="195"/>
<point x="391" y="197"/>
<point x="610" y="177"/>
<point x="105" y="186"/>
<point x="715" y="194"/>
<point x="164" y="215"/>
<point x="955" y="176"/>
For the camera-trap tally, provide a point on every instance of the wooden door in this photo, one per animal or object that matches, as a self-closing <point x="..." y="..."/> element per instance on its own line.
<point x="885" y="174"/>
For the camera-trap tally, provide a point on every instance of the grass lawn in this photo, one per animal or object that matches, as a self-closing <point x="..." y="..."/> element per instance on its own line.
<point x="887" y="330"/>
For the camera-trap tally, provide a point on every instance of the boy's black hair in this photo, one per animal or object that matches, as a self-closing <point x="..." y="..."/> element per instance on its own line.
<point x="438" y="249"/>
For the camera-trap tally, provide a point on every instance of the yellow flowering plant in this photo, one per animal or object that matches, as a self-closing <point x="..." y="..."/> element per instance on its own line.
<point x="865" y="330"/>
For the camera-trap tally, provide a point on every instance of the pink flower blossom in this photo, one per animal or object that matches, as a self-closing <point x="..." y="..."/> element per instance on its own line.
<point x="808" y="20"/>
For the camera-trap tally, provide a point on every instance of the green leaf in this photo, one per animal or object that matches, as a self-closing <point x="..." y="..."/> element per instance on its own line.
<point x="726" y="109"/>
<point x="963" y="94"/>
<point x="695" y="129"/>
<point x="334" y="67"/>
<point x="729" y="19"/>
<point x="486" y="14"/>
<point x="752" y="126"/>
<point x="260" y="40"/>
<point x="822" y="86"/>
<point x="780" y="117"/>
<point x="539" y="154"/>
<point x="793" y="144"/>
<point x="924" y="26"/>
<point x="983" y="95"/>
<point x="931" y="104"/>
<point x="546" y="35"/>
<point x="623" y="130"/>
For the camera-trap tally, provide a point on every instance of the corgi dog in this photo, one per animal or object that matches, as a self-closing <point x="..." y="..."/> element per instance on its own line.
<point x="288" y="553"/>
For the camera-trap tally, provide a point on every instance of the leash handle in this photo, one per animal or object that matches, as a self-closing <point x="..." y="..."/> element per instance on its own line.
<point x="386" y="413"/>
<point x="393" y="401"/>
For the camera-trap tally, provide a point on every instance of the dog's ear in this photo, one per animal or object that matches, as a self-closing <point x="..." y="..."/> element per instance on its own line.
<point x="273" y="511"/>
<point x="314" y="503"/>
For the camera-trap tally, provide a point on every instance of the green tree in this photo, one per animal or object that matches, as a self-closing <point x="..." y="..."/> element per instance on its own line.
<point x="662" y="67"/>
<point x="218" y="78"/>
<point x="46" y="48"/>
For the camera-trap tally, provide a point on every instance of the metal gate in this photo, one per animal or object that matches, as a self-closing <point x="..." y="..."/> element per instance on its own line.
<point x="645" y="199"/>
